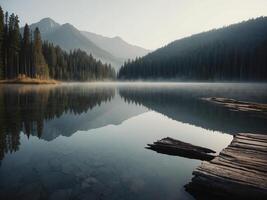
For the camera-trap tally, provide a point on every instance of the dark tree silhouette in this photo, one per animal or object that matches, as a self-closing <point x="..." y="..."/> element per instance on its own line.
<point x="1" y="42"/>
<point x="39" y="63"/>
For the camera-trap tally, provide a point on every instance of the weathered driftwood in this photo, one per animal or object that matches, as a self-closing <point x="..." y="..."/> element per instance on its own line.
<point x="238" y="172"/>
<point x="257" y="109"/>
<point x="175" y="147"/>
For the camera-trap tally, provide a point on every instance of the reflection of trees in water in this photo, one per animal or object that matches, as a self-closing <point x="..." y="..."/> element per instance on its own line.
<point x="188" y="107"/>
<point x="26" y="109"/>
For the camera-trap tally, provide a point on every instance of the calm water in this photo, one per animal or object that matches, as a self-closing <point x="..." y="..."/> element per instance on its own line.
<point x="86" y="141"/>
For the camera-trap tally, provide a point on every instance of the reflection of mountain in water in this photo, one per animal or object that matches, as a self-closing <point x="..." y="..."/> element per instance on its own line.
<point x="185" y="104"/>
<point x="112" y="112"/>
<point x="50" y="111"/>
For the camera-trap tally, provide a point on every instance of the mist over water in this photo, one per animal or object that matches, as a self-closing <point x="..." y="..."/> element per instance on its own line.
<point x="86" y="140"/>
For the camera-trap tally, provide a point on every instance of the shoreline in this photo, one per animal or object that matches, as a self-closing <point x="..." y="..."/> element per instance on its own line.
<point x="116" y="82"/>
<point x="29" y="81"/>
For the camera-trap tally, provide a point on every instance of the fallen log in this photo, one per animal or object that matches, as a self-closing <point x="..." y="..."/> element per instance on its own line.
<point x="174" y="147"/>
<point x="238" y="172"/>
<point x="257" y="109"/>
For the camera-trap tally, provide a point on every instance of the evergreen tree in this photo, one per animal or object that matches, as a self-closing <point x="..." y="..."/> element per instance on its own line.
<point x="5" y="46"/>
<point x="1" y="43"/>
<point x="40" y="66"/>
<point x="26" y="51"/>
<point x="17" y="42"/>
<point x="13" y="46"/>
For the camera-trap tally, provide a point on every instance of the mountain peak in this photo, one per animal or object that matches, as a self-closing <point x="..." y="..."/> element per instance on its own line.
<point x="47" y="19"/>
<point x="45" y="25"/>
<point x="68" y="25"/>
<point x="48" y="22"/>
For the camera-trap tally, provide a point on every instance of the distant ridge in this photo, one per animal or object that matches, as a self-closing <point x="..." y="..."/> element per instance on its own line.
<point x="68" y="38"/>
<point x="116" y="46"/>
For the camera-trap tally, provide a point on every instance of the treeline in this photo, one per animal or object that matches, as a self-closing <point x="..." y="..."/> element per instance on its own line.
<point x="26" y="55"/>
<point x="75" y="65"/>
<point x="237" y="52"/>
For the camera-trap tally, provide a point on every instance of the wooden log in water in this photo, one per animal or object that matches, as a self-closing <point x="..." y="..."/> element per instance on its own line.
<point x="238" y="172"/>
<point x="257" y="109"/>
<point x="171" y="146"/>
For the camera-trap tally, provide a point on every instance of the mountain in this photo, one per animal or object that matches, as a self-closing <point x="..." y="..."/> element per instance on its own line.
<point x="236" y="52"/>
<point x="69" y="38"/>
<point x="46" y="26"/>
<point x="99" y="116"/>
<point x="116" y="46"/>
<point x="109" y="50"/>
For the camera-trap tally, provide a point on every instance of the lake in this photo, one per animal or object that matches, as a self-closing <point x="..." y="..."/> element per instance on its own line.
<point x="87" y="141"/>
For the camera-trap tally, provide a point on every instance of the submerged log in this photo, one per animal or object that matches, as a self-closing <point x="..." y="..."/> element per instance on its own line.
<point x="257" y="109"/>
<point x="238" y="172"/>
<point x="174" y="147"/>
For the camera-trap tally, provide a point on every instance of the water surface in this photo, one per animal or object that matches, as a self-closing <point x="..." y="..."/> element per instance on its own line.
<point x="86" y="141"/>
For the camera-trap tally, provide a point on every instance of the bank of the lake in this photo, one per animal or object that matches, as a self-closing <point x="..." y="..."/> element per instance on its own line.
<point x="29" y="81"/>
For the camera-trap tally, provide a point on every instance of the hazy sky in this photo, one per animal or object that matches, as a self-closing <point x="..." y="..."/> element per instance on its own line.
<point x="147" y="23"/>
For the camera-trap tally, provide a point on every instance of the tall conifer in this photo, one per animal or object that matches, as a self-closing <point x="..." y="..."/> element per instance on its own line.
<point x="1" y="43"/>
<point x="40" y="66"/>
<point x="26" y="51"/>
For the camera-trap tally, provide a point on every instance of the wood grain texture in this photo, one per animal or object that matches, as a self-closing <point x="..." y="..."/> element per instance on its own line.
<point x="174" y="147"/>
<point x="238" y="172"/>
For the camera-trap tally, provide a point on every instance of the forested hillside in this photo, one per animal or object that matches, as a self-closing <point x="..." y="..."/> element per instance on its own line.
<point x="75" y="65"/>
<point x="237" y="52"/>
<point x="26" y="55"/>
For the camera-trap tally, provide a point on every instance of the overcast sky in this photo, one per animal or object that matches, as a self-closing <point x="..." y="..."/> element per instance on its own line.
<point x="147" y="23"/>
